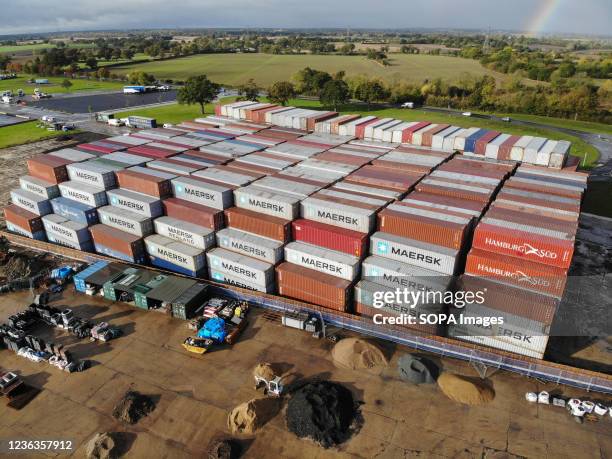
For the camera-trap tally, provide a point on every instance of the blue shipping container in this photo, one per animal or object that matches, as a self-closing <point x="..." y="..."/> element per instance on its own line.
<point x="79" y="278"/>
<point x="75" y="211"/>
<point x="164" y="264"/>
<point x="141" y="259"/>
<point x="470" y="142"/>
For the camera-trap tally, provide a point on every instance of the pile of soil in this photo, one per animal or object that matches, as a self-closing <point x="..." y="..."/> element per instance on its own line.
<point x="17" y="266"/>
<point x="358" y="354"/>
<point x="264" y="370"/>
<point x="322" y="411"/>
<point x="102" y="446"/>
<point x="247" y="417"/>
<point x="220" y="448"/>
<point x="466" y="390"/>
<point x="133" y="406"/>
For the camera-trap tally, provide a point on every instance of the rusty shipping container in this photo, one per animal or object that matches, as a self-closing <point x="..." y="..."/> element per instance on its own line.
<point x="308" y="285"/>
<point x="513" y="271"/>
<point x="193" y="213"/>
<point x="49" y="168"/>
<point x="118" y="244"/>
<point x="146" y="181"/>
<point x="331" y="237"/>
<point x="23" y="218"/>
<point x="257" y="223"/>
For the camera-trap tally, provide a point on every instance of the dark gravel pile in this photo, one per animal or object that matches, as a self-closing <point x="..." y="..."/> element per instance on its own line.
<point x="322" y="411"/>
<point x="133" y="406"/>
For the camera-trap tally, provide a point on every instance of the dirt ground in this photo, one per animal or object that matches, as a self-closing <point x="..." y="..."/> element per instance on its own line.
<point x="194" y="394"/>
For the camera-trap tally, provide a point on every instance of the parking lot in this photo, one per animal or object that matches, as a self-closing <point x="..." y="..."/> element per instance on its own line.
<point x="103" y="102"/>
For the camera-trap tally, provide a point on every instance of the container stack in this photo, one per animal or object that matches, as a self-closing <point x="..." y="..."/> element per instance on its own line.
<point x="526" y="241"/>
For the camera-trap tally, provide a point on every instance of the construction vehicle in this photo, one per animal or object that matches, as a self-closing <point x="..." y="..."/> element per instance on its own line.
<point x="272" y="387"/>
<point x="197" y="345"/>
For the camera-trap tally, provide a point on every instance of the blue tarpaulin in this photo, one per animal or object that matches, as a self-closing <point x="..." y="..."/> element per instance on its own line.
<point x="61" y="273"/>
<point x="214" y="329"/>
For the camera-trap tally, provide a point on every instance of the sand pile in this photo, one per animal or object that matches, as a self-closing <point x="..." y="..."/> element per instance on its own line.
<point x="466" y="390"/>
<point x="133" y="406"/>
<point x="358" y="354"/>
<point x="102" y="446"/>
<point x="264" y="370"/>
<point x="247" y="417"/>
<point x="323" y="411"/>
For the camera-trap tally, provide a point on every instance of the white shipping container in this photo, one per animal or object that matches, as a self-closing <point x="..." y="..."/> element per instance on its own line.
<point x="543" y="156"/>
<point x="270" y="203"/>
<point x="42" y="188"/>
<point x="369" y="190"/>
<point x="177" y="253"/>
<point x="329" y="166"/>
<point x="270" y="115"/>
<point x="414" y="198"/>
<point x="126" y="220"/>
<point x="226" y="278"/>
<point x="396" y="274"/>
<point x="369" y="130"/>
<point x="264" y="161"/>
<point x="317" y="176"/>
<point x="320" y="259"/>
<point x="30" y="202"/>
<point x="436" y="258"/>
<point x="350" y="196"/>
<point x="492" y="148"/>
<point x="349" y="217"/>
<point x="294" y="188"/>
<point x="379" y="131"/>
<point x="128" y="158"/>
<point x="72" y="154"/>
<point x="518" y="149"/>
<point x="437" y="141"/>
<point x="92" y="174"/>
<point x="74" y="232"/>
<point x="176" y="169"/>
<point x="128" y="139"/>
<point x="350" y="127"/>
<point x="140" y="203"/>
<point x="248" y="269"/>
<point x="225" y="176"/>
<point x="90" y="195"/>
<point x="194" y="235"/>
<point x="208" y="194"/>
<point x="531" y="150"/>
<point x="252" y="245"/>
<point x="466" y="177"/>
<point x="559" y="154"/>
<point x="417" y="136"/>
<point x="295" y="151"/>
<point x="449" y="140"/>
<point x="397" y="132"/>
<point x="459" y="141"/>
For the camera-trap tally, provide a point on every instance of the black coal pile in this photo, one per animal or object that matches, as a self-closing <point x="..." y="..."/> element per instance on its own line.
<point x="133" y="406"/>
<point x="323" y="411"/>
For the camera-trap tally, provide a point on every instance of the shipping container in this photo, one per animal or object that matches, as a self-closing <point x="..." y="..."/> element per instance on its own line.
<point x="407" y="133"/>
<point x="227" y="176"/>
<point x="260" y="224"/>
<point x="455" y="189"/>
<point x="42" y="188"/>
<point x="83" y="246"/>
<point x="142" y="122"/>
<point x="189" y="301"/>
<point x="544" y="172"/>
<point x="84" y="193"/>
<point x="481" y="143"/>
<point x="176" y="167"/>
<point x="252" y="245"/>
<point x="202" y="191"/>
<point x="14" y="228"/>
<point x="76" y="211"/>
<point x="264" y="201"/>
<point x="492" y="149"/>
<point x="529" y="275"/>
<point x="49" y="168"/>
<point x="346" y="216"/>
<point x="118" y="244"/>
<point x="197" y="214"/>
<point x="72" y="154"/>
<point x="530" y="153"/>
<point x="367" y="190"/>
<point x="323" y="260"/>
<point x="544" y="154"/>
<point x="517" y="151"/>
<point x="251" y="270"/>
<point x="469" y="176"/>
<point x="559" y="154"/>
<point x="129" y="159"/>
<point x="331" y="237"/>
<point x="448" y="203"/>
<point x="571" y="191"/>
<point x="76" y="233"/>
<point x="146" y="181"/>
<point x="434" y="257"/>
<point x="291" y="187"/>
<point x="152" y="152"/>
<point x="402" y="181"/>
<point x="128" y="139"/>
<point x="91" y="173"/>
<point x="23" y="218"/>
<point x="439" y="138"/>
<point x="80" y="278"/>
<point x="169" y="254"/>
<point x="226" y="278"/>
<point x="30" y="202"/>
<point x="400" y="275"/>
<point x="314" y="287"/>
<point x="185" y="232"/>
<point x="126" y="220"/>
<point x="140" y="203"/>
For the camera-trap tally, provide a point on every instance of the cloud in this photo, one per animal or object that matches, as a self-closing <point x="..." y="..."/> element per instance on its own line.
<point x="586" y="16"/>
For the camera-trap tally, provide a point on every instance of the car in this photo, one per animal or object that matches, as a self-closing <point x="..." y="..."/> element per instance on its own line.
<point x="507" y="119"/>
<point x="168" y="125"/>
<point x="68" y="127"/>
<point x="466" y="114"/>
<point x="407" y="105"/>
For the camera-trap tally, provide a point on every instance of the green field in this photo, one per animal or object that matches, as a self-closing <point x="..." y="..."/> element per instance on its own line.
<point x="54" y="85"/>
<point x="265" y="69"/>
<point x="586" y="126"/>
<point x="20" y="49"/>
<point x="18" y="134"/>
<point x="174" y="113"/>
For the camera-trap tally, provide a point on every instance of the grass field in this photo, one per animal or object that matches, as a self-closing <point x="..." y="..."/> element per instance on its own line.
<point x="265" y="69"/>
<point x="175" y="113"/>
<point x="587" y="126"/>
<point x="54" y="85"/>
<point x="19" y="134"/>
<point x="38" y="47"/>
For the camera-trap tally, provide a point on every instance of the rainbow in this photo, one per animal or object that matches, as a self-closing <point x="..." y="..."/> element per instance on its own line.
<point x="543" y="12"/>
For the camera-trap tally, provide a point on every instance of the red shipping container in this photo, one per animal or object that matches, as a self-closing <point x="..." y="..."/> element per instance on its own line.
<point x="461" y="168"/>
<point x="505" y="148"/>
<point x="48" y="167"/>
<point x="394" y="165"/>
<point x="194" y="213"/>
<point x="331" y="237"/>
<point x="383" y="177"/>
<point x="152" y="152"/>
<point x="427" y="138"/>
<point x="524" y="245"/>
<point x="218" y="109"/>
<point x="311" y="121"/>
<point x="540" y="199"/>
<point x="360" y="128"/>
<point x="527" y="218"/>
<point x="472" y="206"/>
<point x="542" y="187"/>
<point x="96" y="148"/>
<point x="144" y="183"/>
<point x="308" y="285"/>
<point x="261" y="224"/>
<point x="532" y="276"/>
<point x="118" y="240"/>
<point x="23" y="219"/>
<point x="481" y="143"/>
<point x="561" y="215"/>
<point x="407" y="133"/>
<point x="242" y="166"/>
<point x="455" y="189"/>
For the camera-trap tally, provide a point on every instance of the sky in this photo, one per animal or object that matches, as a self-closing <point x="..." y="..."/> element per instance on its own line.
<point x="533" y="16"/>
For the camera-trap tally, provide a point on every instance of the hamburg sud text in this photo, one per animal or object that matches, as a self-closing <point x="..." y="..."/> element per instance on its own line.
<point x="425" y="307"/>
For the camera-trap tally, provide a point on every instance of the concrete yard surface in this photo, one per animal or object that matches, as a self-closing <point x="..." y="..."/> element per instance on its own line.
<point x="194" y="395"/>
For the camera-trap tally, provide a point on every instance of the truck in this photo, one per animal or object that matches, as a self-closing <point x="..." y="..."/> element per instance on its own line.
<point x="134" y="89"/>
